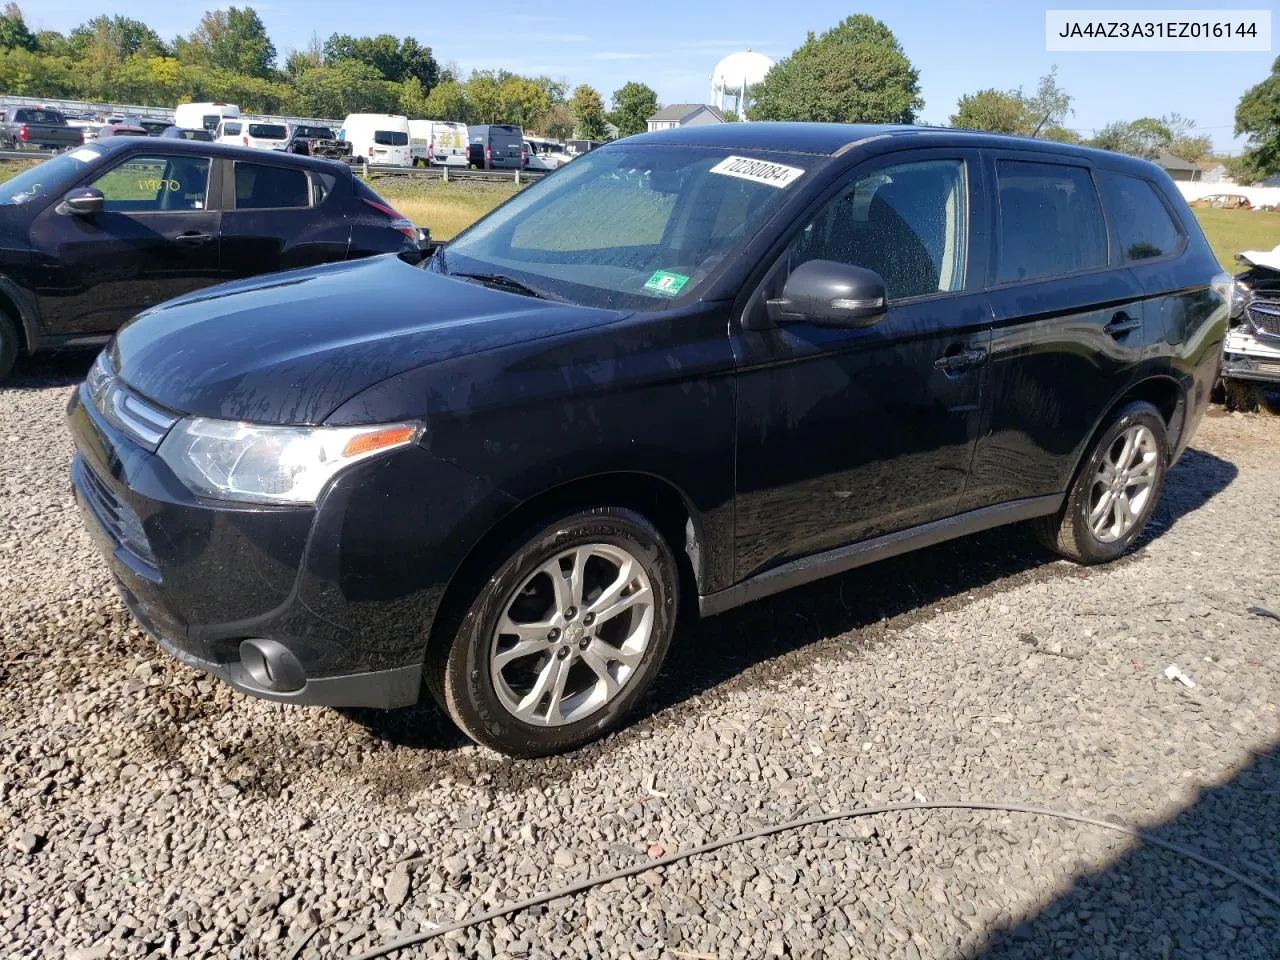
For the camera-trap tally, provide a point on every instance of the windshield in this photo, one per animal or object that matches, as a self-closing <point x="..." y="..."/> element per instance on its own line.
<point x="629" y="227"/>
<point x="268" y="131"/>
<point x="391" y="138"/>
<point x="52" y="176"/>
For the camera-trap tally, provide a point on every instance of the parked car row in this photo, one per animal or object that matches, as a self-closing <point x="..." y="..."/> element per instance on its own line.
<point x="358" y="481"/>
<point x="94" y="235"/>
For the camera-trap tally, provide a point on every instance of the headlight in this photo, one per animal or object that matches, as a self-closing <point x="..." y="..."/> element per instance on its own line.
<point x="225" y="460"/>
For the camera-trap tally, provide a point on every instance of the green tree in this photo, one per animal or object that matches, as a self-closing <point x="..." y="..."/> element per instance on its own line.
<point x="633" y="104"/>
<point x="234" y="40"/>
<point x="397" y="60"/>
<point x="999" y="111"/>
<point x="1011" y="111"/>
<point x="114" y="39"/>
<point x="588" y="113"/>
<point x="856" y="72"/>
<point x="26" y="74"/>
<point x="1258" y="119"/>
<point x="523" y="102"/>
<point x="52" y="44"/>
<point x="447" y="101"/>
<point x="1148" y="137"/>
<point x="1050" y="105"/>
<point x="348" y="86"/>
<point x="557" y="123"/>
<point x="14" y="34"/>
<point x="1061" y="134"/>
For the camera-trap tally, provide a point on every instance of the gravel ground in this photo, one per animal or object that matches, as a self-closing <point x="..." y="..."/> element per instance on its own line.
<point x="148" y="811"/>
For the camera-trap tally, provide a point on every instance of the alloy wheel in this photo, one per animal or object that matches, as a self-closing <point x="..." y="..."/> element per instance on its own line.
<point x="572" y="635"/>
<point x="1123" y="483"/>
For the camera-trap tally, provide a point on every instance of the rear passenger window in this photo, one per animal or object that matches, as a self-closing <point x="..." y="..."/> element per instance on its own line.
<point x="1050" y="221"/>
<point x="1140" y="222"/>
<point x="262" y="187"/>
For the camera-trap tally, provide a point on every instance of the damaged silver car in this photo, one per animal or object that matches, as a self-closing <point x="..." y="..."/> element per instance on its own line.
<point x="1252" y="347"/>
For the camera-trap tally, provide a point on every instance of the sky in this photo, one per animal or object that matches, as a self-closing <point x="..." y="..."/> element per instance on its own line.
<point x="674" y="47"/>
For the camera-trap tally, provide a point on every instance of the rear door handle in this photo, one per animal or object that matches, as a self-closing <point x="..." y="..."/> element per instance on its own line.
<point x="1121" y="324"/>
<point x="960" y="360"/>
<point x="193" y="238"/>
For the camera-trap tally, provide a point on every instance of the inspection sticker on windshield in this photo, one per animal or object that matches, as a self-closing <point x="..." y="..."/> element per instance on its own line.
<point x="757" y="171"/>
<point x="665" y="283"/>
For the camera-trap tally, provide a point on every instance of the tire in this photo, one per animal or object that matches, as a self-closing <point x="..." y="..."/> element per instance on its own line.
<point x="10" y="345"/>
<point x="512" y="705"/>
<point x="1108" y="507"/>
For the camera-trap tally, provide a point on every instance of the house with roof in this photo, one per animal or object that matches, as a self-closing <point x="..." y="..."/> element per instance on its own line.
<point x="1177" y="168"/>
<point x="684" y="115"/>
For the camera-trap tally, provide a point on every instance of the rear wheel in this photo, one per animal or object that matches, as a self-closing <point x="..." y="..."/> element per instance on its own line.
<point x="563" y="638"/>
<point x="1116" y="490"/>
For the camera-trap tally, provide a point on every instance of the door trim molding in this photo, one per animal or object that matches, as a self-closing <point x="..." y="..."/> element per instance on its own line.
<point x="841" y="559"/>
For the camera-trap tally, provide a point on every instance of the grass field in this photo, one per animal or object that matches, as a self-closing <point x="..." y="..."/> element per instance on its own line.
<point x="1230" y="231"/>
<point x="444" y="207"/>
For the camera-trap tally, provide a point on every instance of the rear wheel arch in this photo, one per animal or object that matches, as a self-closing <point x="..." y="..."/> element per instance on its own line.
<point x="654" y="498"/>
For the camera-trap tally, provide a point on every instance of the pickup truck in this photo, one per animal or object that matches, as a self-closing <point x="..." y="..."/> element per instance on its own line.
<point x="34" y="128"/>
<point x="317" y="142"/>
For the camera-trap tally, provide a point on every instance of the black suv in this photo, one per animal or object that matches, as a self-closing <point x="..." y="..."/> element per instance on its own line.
<point x="90" y="237"/>
<point x="686" y="371"/>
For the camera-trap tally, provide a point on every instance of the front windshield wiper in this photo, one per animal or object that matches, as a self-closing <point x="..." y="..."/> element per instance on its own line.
<point x="503" y="282"/>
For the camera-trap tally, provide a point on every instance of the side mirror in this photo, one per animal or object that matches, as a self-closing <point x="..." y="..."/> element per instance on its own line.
<point x="82" y="202"/>
<point x="830" y="294"/>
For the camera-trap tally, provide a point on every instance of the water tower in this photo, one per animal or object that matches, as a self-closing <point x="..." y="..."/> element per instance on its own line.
<point x="733" y="78"/>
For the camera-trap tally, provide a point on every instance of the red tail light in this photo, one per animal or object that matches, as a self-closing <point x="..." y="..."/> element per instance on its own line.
<point x="522" y="156"/>
<point x="399" y="220"/>
<point x="488" y="156"/>
<point x="22" y="132"/>
<point x="245" y="140"/>
<point x="431" y="152"/>
<point x="371" y="151"/>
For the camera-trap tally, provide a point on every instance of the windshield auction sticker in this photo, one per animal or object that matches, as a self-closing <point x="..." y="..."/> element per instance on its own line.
<point x="1136" y="30"/>
<point x="666" y="283"/>
<point x="757" y="171"/>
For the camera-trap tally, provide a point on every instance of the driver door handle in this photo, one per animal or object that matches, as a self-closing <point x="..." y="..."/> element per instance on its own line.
<point x="1121" y="324"/>
<point x="193" y="237"/>
<point x="960" y="360"/>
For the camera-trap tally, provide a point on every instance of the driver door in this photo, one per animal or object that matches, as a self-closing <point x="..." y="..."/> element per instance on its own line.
<point x="847" y="434"/>
<point x="156" y="238"/>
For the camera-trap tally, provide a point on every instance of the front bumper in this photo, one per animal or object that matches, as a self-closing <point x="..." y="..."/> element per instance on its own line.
<point x="1249" y="357"/>
<point x="330" y="604"/>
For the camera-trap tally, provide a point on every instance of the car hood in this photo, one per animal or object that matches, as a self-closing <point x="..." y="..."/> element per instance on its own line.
<point x="291" y="347"/>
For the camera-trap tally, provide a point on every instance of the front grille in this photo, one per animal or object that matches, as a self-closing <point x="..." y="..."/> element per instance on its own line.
<point x="140" y="420"/>
<point x="114" y="515"/>
<point x="1264" y="317"/>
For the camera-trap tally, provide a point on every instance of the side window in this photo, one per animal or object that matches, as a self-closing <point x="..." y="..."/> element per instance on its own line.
<point x="908" y="223"/>
<point x="263" y="187"/>
<point x="1050" y="220"/>
<point x="155" y="184"/>
<point x="230" y="129"/>
<point x="1140" y="222"/>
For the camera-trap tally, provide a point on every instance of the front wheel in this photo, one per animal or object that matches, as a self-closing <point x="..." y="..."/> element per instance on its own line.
<point x="1116" y="490"/>
<point x="563" y="638"/>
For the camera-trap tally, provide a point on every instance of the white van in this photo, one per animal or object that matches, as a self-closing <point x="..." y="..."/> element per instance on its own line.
<point x="252" y="132"/>
<point x="440" y="143"/>
<point x="378" y="137"/>
<point x="203" y="116"/>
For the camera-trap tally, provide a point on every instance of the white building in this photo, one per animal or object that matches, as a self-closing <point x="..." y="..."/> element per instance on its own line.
<point x="733" y="78"/>
<point x="684" y="115"/>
